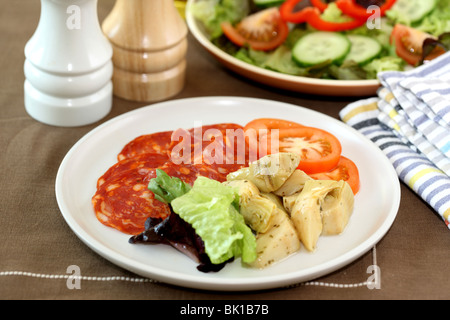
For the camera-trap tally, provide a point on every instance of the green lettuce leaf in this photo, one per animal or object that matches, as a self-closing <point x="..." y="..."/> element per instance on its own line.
<point x="349" y="70"/>
<point x="333" y="14"/>
<point x="388" y="63"/>
<point x="212" y="210"/>
<point x="166" y="188"/>
<point x="438" y="22"/>
<point x="213" y="12"/>
<point x="435" y="23"/>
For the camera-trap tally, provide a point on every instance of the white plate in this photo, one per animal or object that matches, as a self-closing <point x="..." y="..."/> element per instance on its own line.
<point x="275" y="79"/>
<point x="375" y="208"/>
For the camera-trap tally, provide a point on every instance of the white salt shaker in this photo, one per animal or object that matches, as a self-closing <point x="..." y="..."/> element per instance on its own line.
<point x="68" y="66"/>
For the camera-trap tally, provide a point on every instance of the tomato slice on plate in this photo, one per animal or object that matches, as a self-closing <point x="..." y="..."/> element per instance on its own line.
<point x="345" y="170"/>
<point x="320" y="150"/>
<point x="271" y="124"/>
<point x="262" y="31"/>
<point x="256" y="129"/>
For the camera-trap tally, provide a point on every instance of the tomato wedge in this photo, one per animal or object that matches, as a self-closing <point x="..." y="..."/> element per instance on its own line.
<point x="345" y="170"/>
<point x="262" y="31"/>
<point x="409" y="43"/>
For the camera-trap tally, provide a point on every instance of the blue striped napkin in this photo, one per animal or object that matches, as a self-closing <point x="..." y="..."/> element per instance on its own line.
<point x="410" y="122"/>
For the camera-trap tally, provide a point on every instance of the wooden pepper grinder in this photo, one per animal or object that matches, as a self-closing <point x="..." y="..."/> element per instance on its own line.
<point x="149" y="39"/>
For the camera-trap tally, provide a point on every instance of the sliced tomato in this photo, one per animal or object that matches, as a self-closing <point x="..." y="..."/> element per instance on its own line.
<point x="254" y="130"/>
<point x="409" y="43"/>
<point x="262" y="31"/>
<point x="345" y="170"/>
<point x="270" y="124"/>
<point x="320" y="151"/>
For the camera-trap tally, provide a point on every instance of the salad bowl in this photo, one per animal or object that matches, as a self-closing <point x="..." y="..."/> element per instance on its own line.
<point x="346" y="88"/>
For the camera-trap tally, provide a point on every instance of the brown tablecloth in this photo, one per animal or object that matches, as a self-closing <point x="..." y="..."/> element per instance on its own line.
<point x="37" y="246"/>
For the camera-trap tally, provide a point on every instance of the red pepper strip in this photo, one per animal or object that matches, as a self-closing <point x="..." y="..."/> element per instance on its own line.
<point x="315" y="20"/>
<point x="354" y="10"/>
<point x="319" y="5"/>
<point x="312" y="15"/>
<point x="289" y="15"/>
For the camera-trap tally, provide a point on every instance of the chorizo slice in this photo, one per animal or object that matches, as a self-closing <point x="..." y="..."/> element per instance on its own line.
<point x="142" y="161"/>
<point x="151" y="143"/>
<point x="124" y="202"/>
<point x="226" y="138"/>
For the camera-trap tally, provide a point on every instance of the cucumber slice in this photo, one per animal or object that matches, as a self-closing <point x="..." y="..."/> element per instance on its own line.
<point x="268" y="3"/>
<point x="318" y="47"/>
<point x="414" y="10"/>
<point x="364" y="49"/>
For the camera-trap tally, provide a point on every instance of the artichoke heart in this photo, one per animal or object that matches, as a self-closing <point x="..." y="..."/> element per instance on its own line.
<point x="307" y="221"/>
<point x="294" y="184"/>
<point x="275" y="199"/>
<point x="289" y="202"/>
<point x="337" y="207"/>
<point x="256" y="209"/>
<point x="323" y="207"/>
<point x="278" y="243"/>
<point x="270" y="172"/>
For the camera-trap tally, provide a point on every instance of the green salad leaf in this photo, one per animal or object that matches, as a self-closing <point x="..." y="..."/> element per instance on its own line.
<point x="438" y="22"/>
<point x="211" y="208"/>
<point x="166" y="188"/>
<point x="388" y="63"/>
<point x="213" y="12"/>
<point x="333" y="14"/>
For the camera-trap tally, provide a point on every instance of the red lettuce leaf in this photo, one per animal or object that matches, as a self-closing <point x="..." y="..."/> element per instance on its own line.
<point x="179" y="234"/>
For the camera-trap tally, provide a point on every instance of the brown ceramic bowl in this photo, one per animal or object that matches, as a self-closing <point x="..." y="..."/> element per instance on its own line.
<point x="357" y="88"/>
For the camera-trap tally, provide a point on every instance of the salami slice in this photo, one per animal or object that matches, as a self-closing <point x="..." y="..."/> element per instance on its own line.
<point x="143" y="161"/>
<point x="124" y="202"/>
<point x="151" y="143"/>
<point x="202" y="140"/>
<point x="222" y="147"/>
<point x="189" y="173"/>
